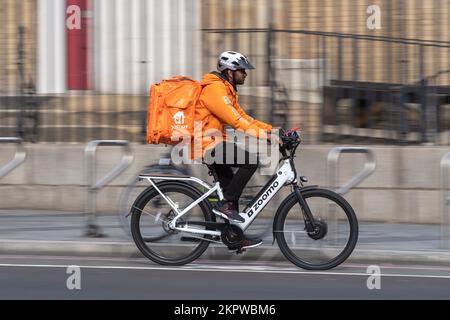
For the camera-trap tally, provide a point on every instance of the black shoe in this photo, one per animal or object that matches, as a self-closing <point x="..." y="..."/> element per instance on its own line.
<point x="227" y="210"/>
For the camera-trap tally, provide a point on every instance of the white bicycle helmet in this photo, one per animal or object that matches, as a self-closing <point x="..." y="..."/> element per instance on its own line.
<point x="233" y="61"/>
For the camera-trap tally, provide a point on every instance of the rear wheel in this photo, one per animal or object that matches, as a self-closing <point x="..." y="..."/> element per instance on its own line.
<point x="333" y="239"/>
<point x="135" y="187"/>
<point x="150" y="219"/>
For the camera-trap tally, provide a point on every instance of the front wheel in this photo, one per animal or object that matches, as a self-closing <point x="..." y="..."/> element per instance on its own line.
<point x="333" y="239"/>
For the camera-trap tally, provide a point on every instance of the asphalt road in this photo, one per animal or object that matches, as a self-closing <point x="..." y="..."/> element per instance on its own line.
<point x="24" y="277"/>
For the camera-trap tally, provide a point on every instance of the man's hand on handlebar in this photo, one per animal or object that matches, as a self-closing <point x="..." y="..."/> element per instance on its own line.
<point x="278" y="135"/>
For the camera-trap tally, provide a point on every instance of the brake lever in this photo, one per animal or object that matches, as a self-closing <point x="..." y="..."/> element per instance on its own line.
<point x="292" y="130"/>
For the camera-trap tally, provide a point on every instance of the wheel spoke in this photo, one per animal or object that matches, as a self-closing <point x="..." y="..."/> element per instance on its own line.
<point x="151" y="229"/>
<point x="332" y="239"/>
<point x="151" y="215"/>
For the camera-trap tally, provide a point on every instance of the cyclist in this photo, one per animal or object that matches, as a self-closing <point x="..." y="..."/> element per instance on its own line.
<point x="218" y="108"/>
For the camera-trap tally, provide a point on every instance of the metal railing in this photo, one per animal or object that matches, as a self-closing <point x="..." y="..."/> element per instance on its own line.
<point x="300" y="59"/>
<point x="19" y="157"/>
<point x="445" y="202"/>
<point x="334" y="176"/>
<point x="333" y="167"/>
<point x="93" y="230"/>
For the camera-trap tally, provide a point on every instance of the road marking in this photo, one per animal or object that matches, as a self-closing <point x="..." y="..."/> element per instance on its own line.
<point x="230" y="269"/>
<point x="213" y="263"/>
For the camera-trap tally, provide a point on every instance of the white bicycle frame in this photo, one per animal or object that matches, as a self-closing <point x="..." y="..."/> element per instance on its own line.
<point x="285" y="175"/>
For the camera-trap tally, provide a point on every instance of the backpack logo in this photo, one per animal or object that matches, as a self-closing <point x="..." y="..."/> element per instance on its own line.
<point x="179" y="118"/>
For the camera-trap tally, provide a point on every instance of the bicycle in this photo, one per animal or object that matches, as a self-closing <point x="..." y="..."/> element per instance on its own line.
<point x="307" y="235"/>
<point x="166" y="166"/>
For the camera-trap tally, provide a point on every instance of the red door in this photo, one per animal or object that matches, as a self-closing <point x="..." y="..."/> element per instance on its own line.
<point x="77" y="28"/>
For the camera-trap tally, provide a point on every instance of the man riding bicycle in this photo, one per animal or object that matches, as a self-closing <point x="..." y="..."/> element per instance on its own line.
<point x="219" y="107"/>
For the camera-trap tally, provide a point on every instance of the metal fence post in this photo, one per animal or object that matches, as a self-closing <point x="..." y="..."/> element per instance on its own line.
<point x="270" y="71"/>
<point x="333" y="173"/>
<point x="445" y="202"/>
<point x="93" y="230"/>
<point x="333" y="168"/>
<point x="19" y="156"/>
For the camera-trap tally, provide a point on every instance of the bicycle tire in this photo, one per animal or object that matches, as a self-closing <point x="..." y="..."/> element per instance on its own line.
<point x="288" y="250"/>
<point x="135" y="187"/>
<point x="142" y="241"/>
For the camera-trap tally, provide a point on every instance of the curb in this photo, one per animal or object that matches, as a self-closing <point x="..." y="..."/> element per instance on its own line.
<point x="263" y="253"/>
<point x="75" y="248"/>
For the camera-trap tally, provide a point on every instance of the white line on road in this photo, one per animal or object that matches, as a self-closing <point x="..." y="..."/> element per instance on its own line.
<point x="206" y="263"/>
<point x="231" y="269"/>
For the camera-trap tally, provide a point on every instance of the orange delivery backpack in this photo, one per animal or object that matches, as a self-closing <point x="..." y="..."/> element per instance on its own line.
<point x="171" y="110"/>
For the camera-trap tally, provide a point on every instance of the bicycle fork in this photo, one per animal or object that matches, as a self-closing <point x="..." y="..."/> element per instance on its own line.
<point x="310" y="222"/>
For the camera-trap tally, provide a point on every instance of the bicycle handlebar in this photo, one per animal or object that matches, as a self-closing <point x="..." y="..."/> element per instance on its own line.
<point x="291" y="140"/>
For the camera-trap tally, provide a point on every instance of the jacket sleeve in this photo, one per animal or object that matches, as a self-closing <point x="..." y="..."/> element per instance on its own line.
<point x="215" y="98"/>
<point x="259" y="124"/>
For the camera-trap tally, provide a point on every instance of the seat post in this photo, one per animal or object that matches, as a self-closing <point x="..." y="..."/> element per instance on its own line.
<point x="212" y="173"/>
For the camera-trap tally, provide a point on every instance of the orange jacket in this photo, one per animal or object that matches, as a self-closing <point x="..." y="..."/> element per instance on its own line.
<point x="218" y="107"/>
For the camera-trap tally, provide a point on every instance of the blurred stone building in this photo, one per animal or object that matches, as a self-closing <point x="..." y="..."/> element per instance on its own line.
<point x="298" y="46"/>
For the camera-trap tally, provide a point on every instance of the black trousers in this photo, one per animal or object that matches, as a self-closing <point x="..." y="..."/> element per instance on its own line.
<point x="232" y="183"/>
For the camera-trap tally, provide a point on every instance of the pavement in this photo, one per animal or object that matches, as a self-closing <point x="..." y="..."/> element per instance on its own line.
<point x="64" y="233"/>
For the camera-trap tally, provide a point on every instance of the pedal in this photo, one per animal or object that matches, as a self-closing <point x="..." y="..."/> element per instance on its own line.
<point x="237" y="251"/>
